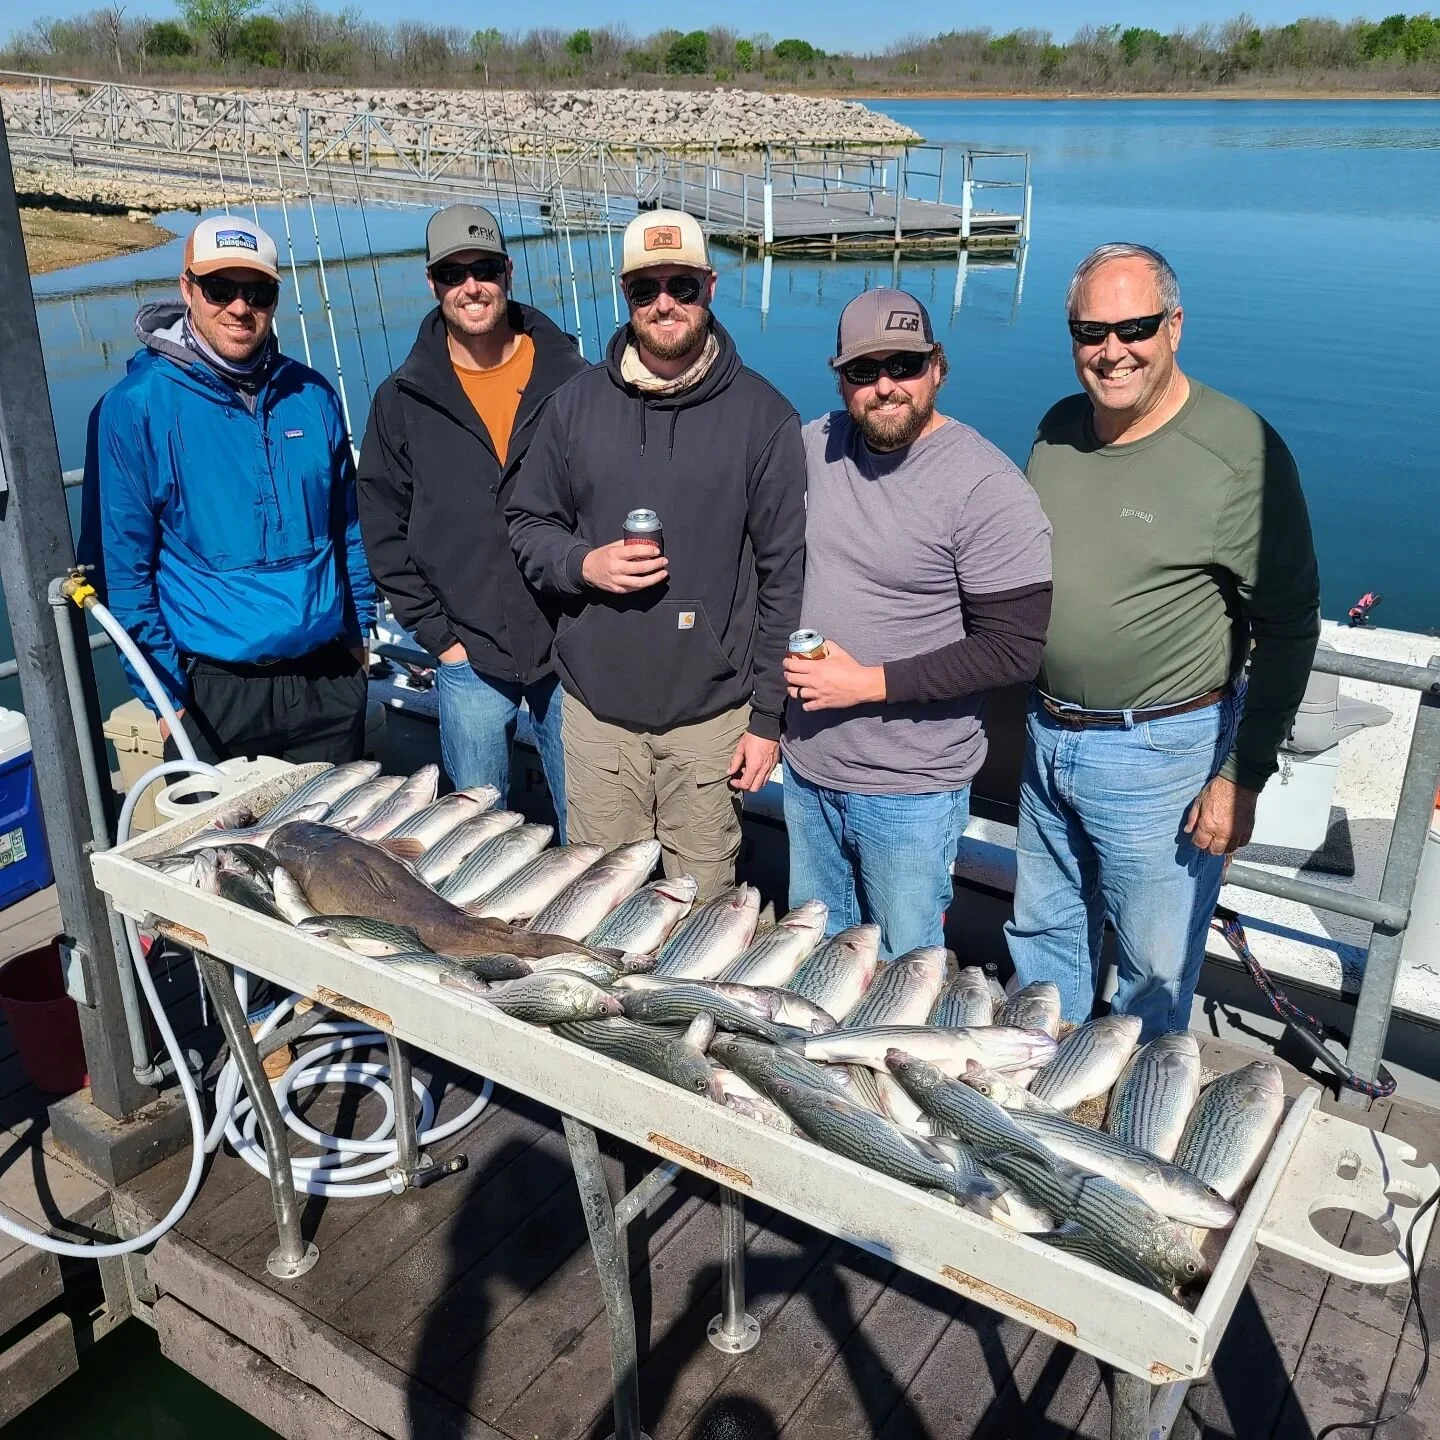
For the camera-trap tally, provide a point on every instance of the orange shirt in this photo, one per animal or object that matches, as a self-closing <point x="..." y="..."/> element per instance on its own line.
<point x="495" y="394"/>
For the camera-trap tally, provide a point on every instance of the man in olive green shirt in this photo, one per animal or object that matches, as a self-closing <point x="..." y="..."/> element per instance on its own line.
<point x="1181" y="541"/>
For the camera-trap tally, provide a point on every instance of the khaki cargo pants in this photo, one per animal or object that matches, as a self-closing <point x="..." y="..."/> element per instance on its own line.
<point x="673" y="786"/>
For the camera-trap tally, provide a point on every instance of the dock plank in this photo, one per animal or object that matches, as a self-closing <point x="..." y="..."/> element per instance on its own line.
<point x="1422" y="1420"/>
<point x="35" y="1364"/>
<point x="29" y="1280"/>
<point x="246" y="1378"/>
<point x="1341" y="1375"/>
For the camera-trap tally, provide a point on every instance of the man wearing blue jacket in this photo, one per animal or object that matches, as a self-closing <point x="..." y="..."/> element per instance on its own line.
<point x="220" y="516"/>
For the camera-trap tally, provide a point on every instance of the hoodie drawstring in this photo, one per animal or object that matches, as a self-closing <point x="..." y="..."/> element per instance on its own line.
<point x="643" y="408"/>
<point x="674" y="416"/>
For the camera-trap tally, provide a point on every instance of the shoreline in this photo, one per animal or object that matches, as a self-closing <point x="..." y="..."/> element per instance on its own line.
<point x="60" y="236"/>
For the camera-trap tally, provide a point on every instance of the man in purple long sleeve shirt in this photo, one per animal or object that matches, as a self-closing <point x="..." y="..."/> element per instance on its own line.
<point x="928" y="571"/>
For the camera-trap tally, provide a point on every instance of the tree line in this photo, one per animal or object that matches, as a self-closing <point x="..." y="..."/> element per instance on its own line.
<point x="252" y="41"/>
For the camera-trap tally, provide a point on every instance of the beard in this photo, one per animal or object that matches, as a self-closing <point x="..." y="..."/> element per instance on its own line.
<point x="472" y="322"/>
<point x="896" y="428"/>
<point x="671" y="342"/>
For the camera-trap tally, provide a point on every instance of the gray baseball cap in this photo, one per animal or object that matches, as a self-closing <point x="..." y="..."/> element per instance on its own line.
<point x="880" y="321"/>
<point x="462" y="227"/>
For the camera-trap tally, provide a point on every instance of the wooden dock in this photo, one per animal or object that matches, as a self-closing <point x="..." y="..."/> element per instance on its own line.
<point x="472" y="1309"/>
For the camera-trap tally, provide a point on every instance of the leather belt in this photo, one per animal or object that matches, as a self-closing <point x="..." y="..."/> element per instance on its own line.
<point x="1116" y="719"/>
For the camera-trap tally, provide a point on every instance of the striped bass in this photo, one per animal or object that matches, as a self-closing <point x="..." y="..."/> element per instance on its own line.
<point x="548" y="997"/>
<point x="667" y="1054"/>
<point x="1088" y="1062"/>
<point x="1075" y="1239"/>
<point x="251" y="835"/>
<point x="777" y="954"/>
<point x="1004" y="1090"/>
<point x="860" y="1135"/>
<point x="529" y="890"/>
<point x="325" y="788"/>
<point x="840" y="971"/>
<point x="757" y="1063"/>
<point x="977" y="1121"/>
<point x="410" y="797"/>
<point x="1036" y="1007"/>
<point x="681" y="1002"/>
<point x="495" y="861"/>
<point x="432" y="824"/>
<point x="903" y="991"/>
<point x="1156" y="1094"/>
<point x="1170" y="1189"/>
<point x="447" y="854"/>
<point x="712" y="937"/>
<point x="363" y="935"/>
<point x="1001" y="1047"/>
<point x="357" y="803"/>
<point x="965" y="1001"/>
<point x="1105" y="1209"/>
<point x="289" y="897"/>
<point x="585" y="902"/>
<point x="1229" y="1132"/>
<point x="341" y="875"/>
<point x="641" y="924"/>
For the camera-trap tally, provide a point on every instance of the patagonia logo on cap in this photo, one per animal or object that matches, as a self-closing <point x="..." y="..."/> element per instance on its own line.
<point x="903" y="320"/>
<point x="235" y="240"/>
<point x="662" y="237"/>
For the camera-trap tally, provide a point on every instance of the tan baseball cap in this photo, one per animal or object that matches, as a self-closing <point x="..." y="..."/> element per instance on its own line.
<point x="880" y="321"/>
<point x="228" y="242"/>
<point x="664" y="237"/>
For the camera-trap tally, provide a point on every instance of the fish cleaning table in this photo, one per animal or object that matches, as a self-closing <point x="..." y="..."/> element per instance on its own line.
<point x="1156" y="1345"/>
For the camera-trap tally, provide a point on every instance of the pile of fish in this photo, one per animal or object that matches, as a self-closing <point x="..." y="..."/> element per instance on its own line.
<point x="936" y="1079"/>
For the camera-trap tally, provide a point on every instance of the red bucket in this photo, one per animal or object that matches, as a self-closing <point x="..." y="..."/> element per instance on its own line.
<point x="43" y="1020"/>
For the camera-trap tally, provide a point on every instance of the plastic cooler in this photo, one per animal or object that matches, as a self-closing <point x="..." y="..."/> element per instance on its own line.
<point x="24" y="854"/>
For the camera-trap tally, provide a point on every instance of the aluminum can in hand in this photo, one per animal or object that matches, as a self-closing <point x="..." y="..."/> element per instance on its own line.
<point x="643" y="526"/>
<point x="808" y="645"/>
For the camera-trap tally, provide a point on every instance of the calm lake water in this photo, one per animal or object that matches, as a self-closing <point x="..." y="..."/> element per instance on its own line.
<point x="1305" y="235"/>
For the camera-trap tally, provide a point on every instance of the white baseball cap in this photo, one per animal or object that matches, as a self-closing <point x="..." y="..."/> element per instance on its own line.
<point x="227" y="242"/>
<point x="664" y="237"/>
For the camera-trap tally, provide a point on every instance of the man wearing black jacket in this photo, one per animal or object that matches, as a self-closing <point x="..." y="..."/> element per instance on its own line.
<point x="669" y="655"/>
<point x="447" y="435"/>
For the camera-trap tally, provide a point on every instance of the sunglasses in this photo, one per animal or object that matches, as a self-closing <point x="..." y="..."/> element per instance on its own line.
<point x="684" y="288"/>
<point x="903" y="365"/>
<point x="257" y="294"/>
<point x="1094" y="332"/>
<point x="450" y="273"/>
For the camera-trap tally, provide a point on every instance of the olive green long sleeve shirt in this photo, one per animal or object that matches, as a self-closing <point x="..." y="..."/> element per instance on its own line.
<point x="1172" y="555"/>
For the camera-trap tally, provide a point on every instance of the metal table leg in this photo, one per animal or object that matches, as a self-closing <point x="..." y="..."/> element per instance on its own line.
<point x="407" y="1141"/>
<point x="733" y="1331"/>
<point x="612" y="1266"/>
<point x="292" y="1257"/>
<point x="1141" y="1411"/>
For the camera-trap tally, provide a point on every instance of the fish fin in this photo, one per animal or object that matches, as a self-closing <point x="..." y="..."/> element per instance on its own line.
<point x="795" y="1043"/>
<point x="477" y="909"/>
<point x="406" y="848"/>
<point x="610" y="954"/>
<point x="700" y="1031"/>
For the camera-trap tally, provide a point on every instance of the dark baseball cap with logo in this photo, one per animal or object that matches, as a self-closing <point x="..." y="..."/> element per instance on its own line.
<point x="462" y="227"/>
<point x="880" y="321"/>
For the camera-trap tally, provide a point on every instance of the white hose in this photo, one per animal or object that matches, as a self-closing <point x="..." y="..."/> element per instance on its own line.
<point x="330" y="1174"/>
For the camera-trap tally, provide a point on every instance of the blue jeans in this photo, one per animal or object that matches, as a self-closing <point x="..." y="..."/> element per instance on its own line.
<point x="477" y="729"/>
<point x="881" y="859"/>
<point x="1102" y="815"/>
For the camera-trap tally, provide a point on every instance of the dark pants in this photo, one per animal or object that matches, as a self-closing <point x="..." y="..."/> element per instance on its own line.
<point x="300" y="710"/>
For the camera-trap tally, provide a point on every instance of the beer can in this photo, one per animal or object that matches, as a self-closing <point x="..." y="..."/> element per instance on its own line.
<point x="643" y="526"/>
<point x="808" y="645"/>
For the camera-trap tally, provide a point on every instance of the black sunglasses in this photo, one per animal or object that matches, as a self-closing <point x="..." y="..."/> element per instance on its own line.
<point x="1094" y="332"/>
<point x="257" y="294"/>
<point x="646" y="291"/>
<point x="903" y="365"/>
<point x="451" y="272"/>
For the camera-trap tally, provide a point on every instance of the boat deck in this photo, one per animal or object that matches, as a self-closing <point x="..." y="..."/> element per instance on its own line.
<point x="472" y="1309"/>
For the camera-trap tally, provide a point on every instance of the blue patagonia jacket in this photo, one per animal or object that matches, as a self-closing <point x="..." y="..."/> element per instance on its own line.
<point x="222" y="524"/>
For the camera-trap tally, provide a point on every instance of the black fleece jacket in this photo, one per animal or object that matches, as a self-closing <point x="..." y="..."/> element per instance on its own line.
<point x="432" y="494"/>
<point x="723" y="465"/>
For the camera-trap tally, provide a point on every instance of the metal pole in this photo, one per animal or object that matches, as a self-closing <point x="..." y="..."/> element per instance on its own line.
<point x="1129" y="1407"/>
<point x="292" y="1257"/>
<point x="1408" y="837"/>
<point x="769" y="215"/>
<point x="732" y="1330"/>
<point x="407" y="1140"/>
<point x="35" y="546"/>
<point x="613" y="1268"/>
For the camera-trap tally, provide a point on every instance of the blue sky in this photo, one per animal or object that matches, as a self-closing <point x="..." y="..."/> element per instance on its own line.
<point x="832" y="24"/>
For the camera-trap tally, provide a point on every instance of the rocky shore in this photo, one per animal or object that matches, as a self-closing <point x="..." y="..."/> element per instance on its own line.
<point x="730" y="119"/>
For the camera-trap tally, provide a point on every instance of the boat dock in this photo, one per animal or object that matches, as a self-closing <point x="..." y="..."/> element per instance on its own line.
<point x="771" y="199"/>
<point x="473" y="1309"/>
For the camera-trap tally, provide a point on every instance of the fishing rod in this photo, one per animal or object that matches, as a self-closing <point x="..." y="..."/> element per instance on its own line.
<point x="570" y="250"/>
<point x="590" y="262"/>
<point x="325" y="296"/>
<point x="374" y="267"/>
<point x="610" y="239"/>
<point x="350" y="286"/>
<point x="515" y="185"/>
<point x="250" y="185"/>
<point x="290" y="246"/>
<point x="220" y="170"/>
